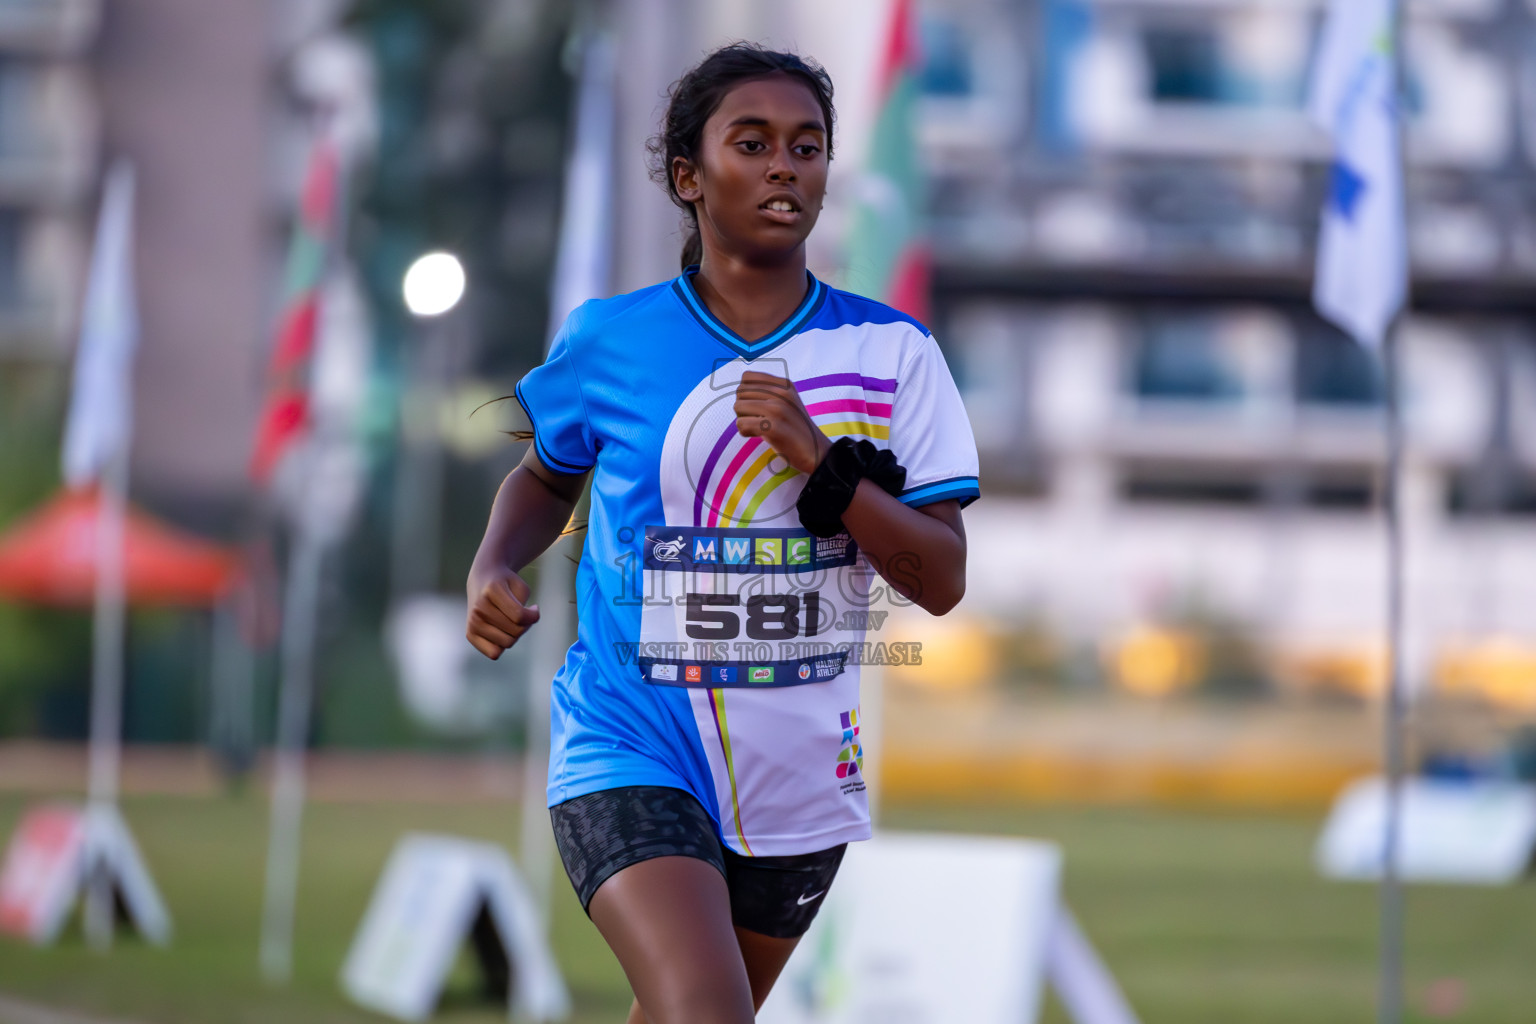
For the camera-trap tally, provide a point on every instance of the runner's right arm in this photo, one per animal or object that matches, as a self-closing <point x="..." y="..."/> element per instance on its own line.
<point x="532" y="507"/>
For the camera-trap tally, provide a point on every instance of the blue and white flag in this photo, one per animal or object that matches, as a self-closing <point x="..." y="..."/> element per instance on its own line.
<point x="101" y="400"/>
<point x="1362" y="253"/>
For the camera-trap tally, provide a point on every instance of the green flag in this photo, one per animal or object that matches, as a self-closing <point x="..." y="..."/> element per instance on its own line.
<point x="886" y="254"/>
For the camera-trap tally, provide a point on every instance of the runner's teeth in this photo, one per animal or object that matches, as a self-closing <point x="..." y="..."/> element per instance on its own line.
<point x="780" y="205"/>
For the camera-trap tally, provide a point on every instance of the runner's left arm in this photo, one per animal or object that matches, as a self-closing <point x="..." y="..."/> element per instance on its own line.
<point x="920" y="551"/>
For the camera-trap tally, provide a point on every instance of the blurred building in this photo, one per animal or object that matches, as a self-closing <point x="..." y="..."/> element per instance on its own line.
<point x="199" y="98"/>
<point x="451" y="119"/>
<point x="49" y="138"/>
<point x="1124" y="204"/>
<point x="217" y="107"/>
<point x="186" y="93"/>
<point x="1125" y="200"/>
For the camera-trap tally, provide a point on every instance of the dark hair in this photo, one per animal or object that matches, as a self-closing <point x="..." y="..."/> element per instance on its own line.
<point x="699" y="93"/>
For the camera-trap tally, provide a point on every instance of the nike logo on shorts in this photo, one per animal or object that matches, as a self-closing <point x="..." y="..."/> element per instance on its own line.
<point x="803" y="900"/>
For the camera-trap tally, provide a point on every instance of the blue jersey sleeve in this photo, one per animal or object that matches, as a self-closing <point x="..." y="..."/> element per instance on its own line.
<point x="551" y="396"/>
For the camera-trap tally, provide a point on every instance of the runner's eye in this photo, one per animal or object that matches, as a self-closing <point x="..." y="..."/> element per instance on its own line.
<point x="752" y="145"/>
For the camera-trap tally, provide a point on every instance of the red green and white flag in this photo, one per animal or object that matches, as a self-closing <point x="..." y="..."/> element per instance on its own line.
<point x="887" y="255"/>
<point x="286" y="415"/>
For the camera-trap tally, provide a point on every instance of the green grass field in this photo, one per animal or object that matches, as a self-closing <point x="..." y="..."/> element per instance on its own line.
<point x="1205" y="919"/>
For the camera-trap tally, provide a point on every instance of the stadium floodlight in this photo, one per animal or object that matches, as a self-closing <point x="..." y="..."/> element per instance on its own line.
<point x="434" y="284"/>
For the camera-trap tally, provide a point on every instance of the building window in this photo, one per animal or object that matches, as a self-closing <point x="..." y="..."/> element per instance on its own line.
<point x="1185" y="65"/>
<point x="1492" y="489"/>
<point x="18" y="107"/>
<point x="12" y="226"/>
<point x="948" y="65"/>
<point x="1219" y="63"/>
<point x="1334" y="370"/>
<point x="1181" y="358"/>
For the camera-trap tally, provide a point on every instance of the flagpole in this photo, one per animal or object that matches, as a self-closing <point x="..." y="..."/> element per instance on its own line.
<point x="1390" y="999"/>
<point x="300" y="610"/>
<point x="1390" y="1006"/>
<point x="96" y="452"/>
<point x="1362" y="285"/>
<point x="312" y="537"/>
<point x="107" y="651"/>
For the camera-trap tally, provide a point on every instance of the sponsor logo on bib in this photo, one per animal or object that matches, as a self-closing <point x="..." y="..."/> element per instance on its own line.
<point x="666" y="672"/>
<point x="667" y="550"/>
<point x="760" y="674"/>
<point x="828" y="548"/>
<point x="805" y="670"/>
<point x="722" y="674"/>
<point x="693" y="674"/>
<point x="728" y="550"/>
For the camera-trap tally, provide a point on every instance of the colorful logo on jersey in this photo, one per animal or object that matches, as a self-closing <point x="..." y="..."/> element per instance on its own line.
<point x="850" y="760"/>
<point x="799" y="551"/>
<point x="805" y="670"/>
<point x="738" y="550"/>
<point x="693" y="674"/>
<point x="760" y="674"/>
<point x="667" y="673"/>
<point x="668" y="550"/>
<point x="741" y="481"/>
<point x="770" y="551"/>
<point x="704" y="549"/>
<point x="722" y="674"/>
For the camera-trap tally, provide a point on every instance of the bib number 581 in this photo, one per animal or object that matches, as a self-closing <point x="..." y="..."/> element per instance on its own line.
<point x="768" y="616"/>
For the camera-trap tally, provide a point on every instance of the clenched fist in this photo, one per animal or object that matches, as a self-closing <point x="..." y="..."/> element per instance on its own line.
<point x="498" y="614"/>
<point x="769" y="407"/>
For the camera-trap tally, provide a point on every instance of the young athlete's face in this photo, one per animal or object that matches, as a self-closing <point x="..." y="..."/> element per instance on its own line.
<point x="761" y="175"/>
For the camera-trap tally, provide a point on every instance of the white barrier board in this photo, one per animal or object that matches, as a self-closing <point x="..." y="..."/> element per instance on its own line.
<point x="926" y="930"/>
<point x="433" y="890"/>
<point x="55" y="849"/>
<point x="1473" y="832"/>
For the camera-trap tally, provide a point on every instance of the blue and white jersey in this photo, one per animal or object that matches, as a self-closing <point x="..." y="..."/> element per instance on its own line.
<point x="719" y="643"/>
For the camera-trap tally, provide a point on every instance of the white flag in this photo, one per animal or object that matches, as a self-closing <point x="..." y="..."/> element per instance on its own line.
<point x="582" y="258"/>
<point x="101" y="401"/>
<point x="1362" y="256"/>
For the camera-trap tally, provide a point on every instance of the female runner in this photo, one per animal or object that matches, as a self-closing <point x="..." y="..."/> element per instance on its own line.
<point x="772" y="456"/>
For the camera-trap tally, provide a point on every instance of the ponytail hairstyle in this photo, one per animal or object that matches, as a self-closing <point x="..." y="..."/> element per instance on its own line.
<point x="699" y="93"/>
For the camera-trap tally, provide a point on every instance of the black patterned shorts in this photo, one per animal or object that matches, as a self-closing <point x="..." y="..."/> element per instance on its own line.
<point x="602" y="833"/>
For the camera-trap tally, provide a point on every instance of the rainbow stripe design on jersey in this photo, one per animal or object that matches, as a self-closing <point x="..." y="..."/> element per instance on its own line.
<point x="738" y="474"/>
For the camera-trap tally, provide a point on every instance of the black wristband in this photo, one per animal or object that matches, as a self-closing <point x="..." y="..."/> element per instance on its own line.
<point x="885" y="472"/>
<point x="829" y="490"/>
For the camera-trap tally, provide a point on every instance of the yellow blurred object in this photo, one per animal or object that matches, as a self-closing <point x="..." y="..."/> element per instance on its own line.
<point x="1156" y="662"/>
<point x="957" y="654"/>
<point x="1500" y="670"/>
<point x="472" y="421"/>
<point x="1357" y="670"/>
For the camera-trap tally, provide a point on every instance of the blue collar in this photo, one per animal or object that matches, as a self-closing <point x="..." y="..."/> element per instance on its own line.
<point x="815" y="295"/>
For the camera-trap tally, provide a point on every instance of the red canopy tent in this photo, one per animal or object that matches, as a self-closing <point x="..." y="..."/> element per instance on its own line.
<point x="49" y="557"/>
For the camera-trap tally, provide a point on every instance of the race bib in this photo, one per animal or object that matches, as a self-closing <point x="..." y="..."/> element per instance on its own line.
<point x="737" y="607"/>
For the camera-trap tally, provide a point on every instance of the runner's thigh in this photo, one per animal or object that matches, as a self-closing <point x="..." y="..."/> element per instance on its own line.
<point x="668" y="920"/>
